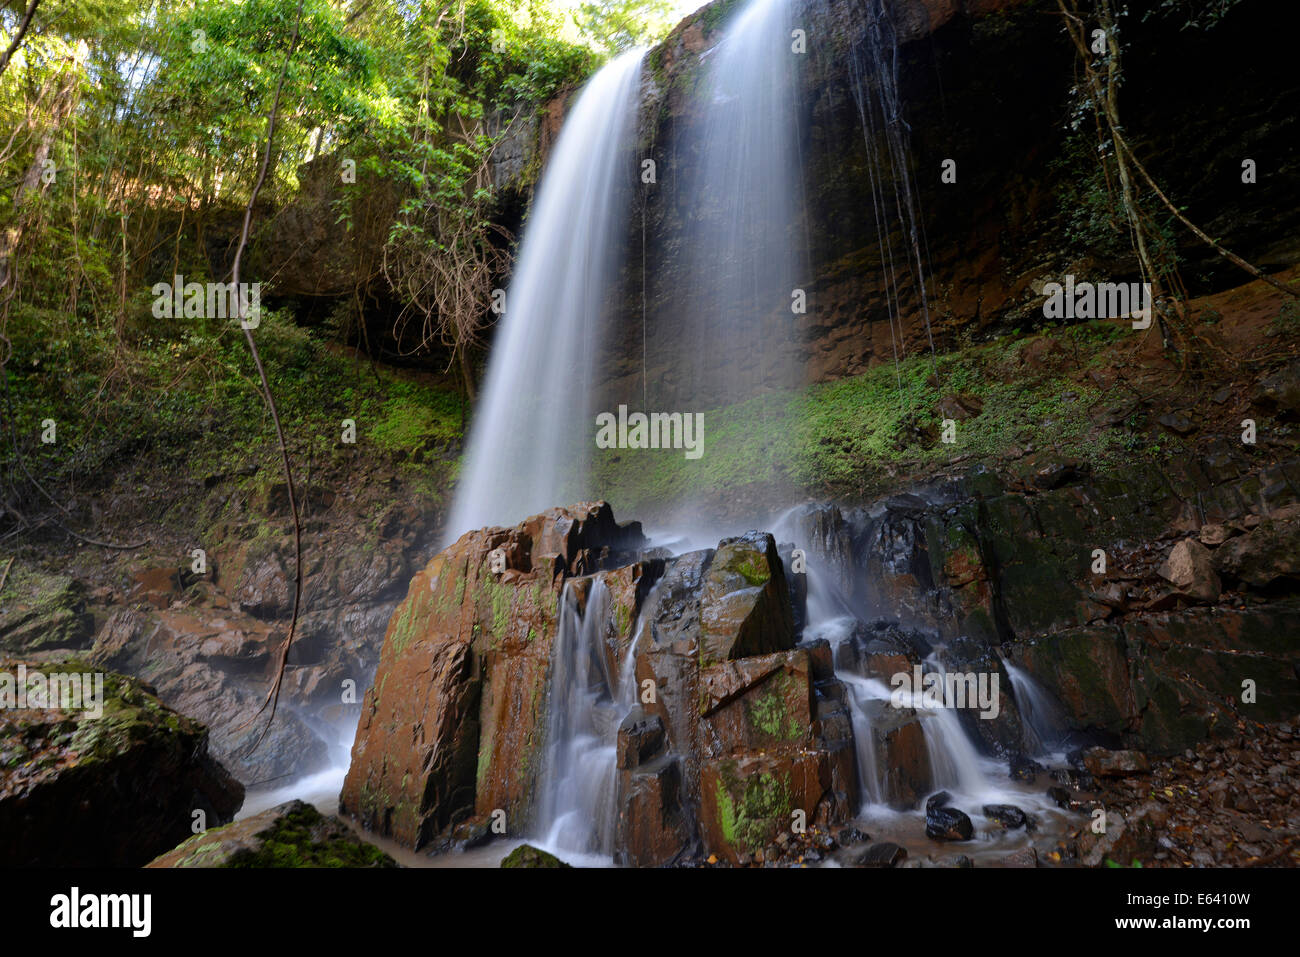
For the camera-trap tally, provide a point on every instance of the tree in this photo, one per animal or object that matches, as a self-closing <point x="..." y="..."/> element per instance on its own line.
<point x="618" y="25"/>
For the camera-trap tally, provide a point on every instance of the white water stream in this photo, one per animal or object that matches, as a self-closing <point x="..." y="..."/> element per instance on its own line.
<point x="529" y="441"/>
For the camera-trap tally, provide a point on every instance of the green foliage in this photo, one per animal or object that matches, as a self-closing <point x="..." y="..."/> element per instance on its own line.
<point x="844" y="437"/>
<point x="1092" y="210"/>
<point x="1192" y="14"/>
<point x="619" y="25"/>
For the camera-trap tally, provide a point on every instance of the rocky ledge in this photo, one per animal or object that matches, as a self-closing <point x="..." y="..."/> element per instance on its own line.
<point x="113" y="790"/>
<point x="737" y="729"/>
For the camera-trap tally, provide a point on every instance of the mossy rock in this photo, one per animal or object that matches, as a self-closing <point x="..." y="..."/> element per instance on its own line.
<point x="289" y="835"/>
<point x="39" y="612"/>
<point x="111" y="779"/>
<point x="525" y="855"/>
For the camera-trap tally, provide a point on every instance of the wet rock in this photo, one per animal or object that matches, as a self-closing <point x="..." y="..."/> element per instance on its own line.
<point x="958" y="861"/>
<point x="1074" y="778"/>
<point x="1024" y="768"/>
<point x="1061" y="796"/>
<point x="289" y="835"/>
<point x="209" y="663"/>
<point x="653" y="826"/>
<point x="902" y="756"/>
<point x="640" y="736"/>
<point x="109" y="791"/>
<point x="465" y="660"/>
<point x="1212" y="534"/>
<point x="851" y="835"/>
<point x="884" y="854"/>
<point x="745" y="607"/>
<point x="1050" y="471"/>
<point x="41" y="612"/>
<point x="159" y="586"/>
<point x="472" y="833"/>
<point x="264" y="588"/>
<point x="1264" y="555"/>
<point x="937" y="800"/>
<point x="525" y="855"/>
<point x="1087" y="671"/>
<point x="1280" y="393"/>
<point x="1177" y="423"/>
<point x="1191" y="570"/>
<point x="1103" y="763"/>
<point x="960" y="406"/>
<point x="943" y="823"/>
<point x="1008" y="815"/>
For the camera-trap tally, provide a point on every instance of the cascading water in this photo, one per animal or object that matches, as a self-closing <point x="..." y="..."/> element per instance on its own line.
<point x="529" y="443"/>
<point x="577" y="790"/>
<point x="1040" y="715"/>
<point x="954" y="762"/>
<point x="739" y="201"/>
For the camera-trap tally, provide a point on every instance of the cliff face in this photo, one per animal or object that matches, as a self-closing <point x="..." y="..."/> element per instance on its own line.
<point x="986" y="84"/>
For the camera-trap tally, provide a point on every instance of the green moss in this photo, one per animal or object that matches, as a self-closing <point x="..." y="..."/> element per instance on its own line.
<point x="502" y="604"/>
<point x="304" y="838"/>
<point x="404" y="629"/>
<point x="751" y="812"/>
<point x="844" y="437"/>
<point x="753" y="569"/>
<point x="726" y="813"/>
<point x="525" y="855"/>
<point x="769" y="714"/>
<point x="484" y="760"/>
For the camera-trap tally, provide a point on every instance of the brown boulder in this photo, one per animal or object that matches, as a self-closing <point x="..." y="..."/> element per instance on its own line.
<point x="745" y="606"/>
<point x="1191" y="570"/>
<point x="1102" y="763"/>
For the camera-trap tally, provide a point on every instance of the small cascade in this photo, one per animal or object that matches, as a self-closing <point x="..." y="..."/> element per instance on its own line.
<point x="954" y="761"/>
<point x="1039" y="713"/>
<point x="863" y="691"/>
<point x="576" y="810"/>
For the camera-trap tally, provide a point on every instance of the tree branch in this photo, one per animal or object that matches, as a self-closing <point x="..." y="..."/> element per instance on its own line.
<point x="273" y="694"/>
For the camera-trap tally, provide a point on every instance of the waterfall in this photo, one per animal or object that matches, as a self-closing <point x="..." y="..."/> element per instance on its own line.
<point x="862" y="692"/>
<point x="1039" y="714"/>
<point x="743" y="243"/>
<point x="529" y="445"/>
<point x="576" y="811"/>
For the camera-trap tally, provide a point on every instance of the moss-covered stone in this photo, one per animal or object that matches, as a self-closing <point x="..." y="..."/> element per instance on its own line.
<point x="290" y="835"/>
<point x="113" y="789"/>
<point x="525" y="855"/>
